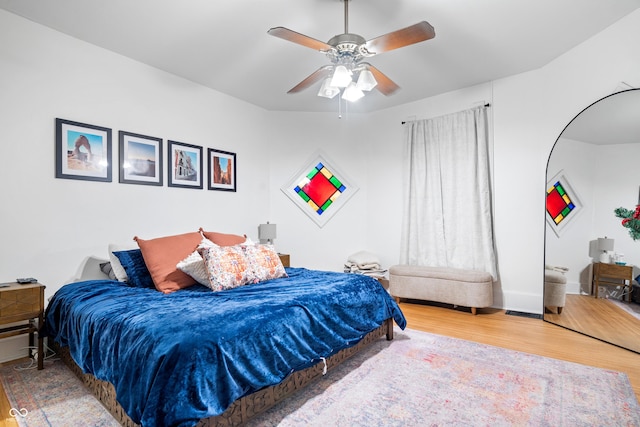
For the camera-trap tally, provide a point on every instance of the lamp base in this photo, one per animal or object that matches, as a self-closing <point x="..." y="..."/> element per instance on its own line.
<point x="605" y="258"/>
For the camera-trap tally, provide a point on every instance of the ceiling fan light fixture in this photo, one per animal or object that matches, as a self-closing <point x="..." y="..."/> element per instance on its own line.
<point x="366" y="81"/>
<point x="328" y="91"/>
<point x="341" y="77"/>
<point x="352" y="93"/>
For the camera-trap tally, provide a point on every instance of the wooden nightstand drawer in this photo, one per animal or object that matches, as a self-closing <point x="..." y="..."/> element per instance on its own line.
<point x="19" y="303"/>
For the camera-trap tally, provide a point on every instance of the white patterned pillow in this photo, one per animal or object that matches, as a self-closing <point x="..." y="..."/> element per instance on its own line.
<point x="226" y="267"/>
<point x="264" y="262"/>
<point x="193" y="265"/>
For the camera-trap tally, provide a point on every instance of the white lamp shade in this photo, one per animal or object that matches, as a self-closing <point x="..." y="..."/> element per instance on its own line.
<point x="366" y="81"/>
<point x="352" y="93"/>
<point x="266" y="232"/>
<point x="605" y="244"/>
<point x="341" y="77"/>
<point x="328" y="91"/>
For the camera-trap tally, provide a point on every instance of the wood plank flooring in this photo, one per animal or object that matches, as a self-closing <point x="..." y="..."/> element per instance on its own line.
<point x="600" y="318"/>
<point x="494" y="327"/>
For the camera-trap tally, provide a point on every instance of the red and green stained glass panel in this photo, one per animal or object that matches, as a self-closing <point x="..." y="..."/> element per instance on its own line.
<point x="320" y="188"/>
<point x="559" y="203"/>
<point x="562" y="203"/>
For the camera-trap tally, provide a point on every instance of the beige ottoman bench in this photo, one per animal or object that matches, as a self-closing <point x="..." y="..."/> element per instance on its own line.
<point x="467" y="288"/>
<point x="555" y="290"/>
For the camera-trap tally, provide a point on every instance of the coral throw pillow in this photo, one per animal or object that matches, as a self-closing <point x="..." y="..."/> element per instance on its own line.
<point x="161" y="256"/>
<point x="222" y="239"/>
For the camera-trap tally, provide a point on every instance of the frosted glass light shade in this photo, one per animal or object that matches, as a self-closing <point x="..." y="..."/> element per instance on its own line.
<point x="328" y="91"/>
<point x="352" y="93"/>
<point x="341" y="77"/>
<point x="366" y="81"/>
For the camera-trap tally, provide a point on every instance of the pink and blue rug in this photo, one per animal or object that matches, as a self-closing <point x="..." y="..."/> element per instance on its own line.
<point x="418" y="379"/>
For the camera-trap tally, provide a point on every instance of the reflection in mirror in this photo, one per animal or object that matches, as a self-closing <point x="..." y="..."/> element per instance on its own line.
<point x="594" y="170"/>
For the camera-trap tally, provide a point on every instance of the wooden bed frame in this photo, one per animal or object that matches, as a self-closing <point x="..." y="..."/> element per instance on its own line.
<point x="244" y="408"/>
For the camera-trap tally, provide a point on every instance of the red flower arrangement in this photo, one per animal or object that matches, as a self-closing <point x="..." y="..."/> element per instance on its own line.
<point x="630" y="220"/>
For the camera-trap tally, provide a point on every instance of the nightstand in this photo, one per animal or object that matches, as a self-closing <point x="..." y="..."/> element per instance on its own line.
<point x="23" y="302"/>
<point x="612" y="275"/>
<point x="284" y="259"/>
<point x="384" y="282"/>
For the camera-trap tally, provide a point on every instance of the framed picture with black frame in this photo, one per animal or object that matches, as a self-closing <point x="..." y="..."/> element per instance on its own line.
<point x="222" y="170"/>
<point x="184" y="165"/>
<point x="140" y="159"/>
<point x="83" y="151"/>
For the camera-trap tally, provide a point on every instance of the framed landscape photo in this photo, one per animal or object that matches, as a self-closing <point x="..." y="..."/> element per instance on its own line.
<point x="83" y="151"/>
<point x="185" y="165"/>
<point x="222" y="170"/>
<point x="140" y="159"/>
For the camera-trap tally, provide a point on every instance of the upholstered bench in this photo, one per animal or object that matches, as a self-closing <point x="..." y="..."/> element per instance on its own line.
<point x="467" y="288"/>
<point x="555" y="289"/>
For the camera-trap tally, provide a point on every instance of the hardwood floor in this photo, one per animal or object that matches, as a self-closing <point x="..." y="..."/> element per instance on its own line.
<point x="602" y="318"/>
<point x="494" y="327"/>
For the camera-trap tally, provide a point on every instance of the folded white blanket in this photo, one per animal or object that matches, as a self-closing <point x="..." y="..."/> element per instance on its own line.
<point x="363" y="258"/>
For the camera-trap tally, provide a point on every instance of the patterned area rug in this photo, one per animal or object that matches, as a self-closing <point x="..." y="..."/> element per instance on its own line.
<point x="417" y="379"/>
<point x="53" y="397"/>
<point x="421" y="379"/>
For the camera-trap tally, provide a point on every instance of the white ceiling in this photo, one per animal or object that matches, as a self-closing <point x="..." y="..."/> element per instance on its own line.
<point x="611" y="120"/>
<point x="225" y="45"/>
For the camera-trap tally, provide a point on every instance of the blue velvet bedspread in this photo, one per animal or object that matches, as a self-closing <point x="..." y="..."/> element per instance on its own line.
<point x="176" y="358"/>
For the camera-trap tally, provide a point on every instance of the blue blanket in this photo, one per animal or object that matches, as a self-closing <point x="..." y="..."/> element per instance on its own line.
<point x="176" y="358"/>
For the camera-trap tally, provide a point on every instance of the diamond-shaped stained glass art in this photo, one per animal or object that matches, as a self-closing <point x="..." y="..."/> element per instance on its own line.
<point x="319" y="189"/>
<point x="559" y="203"/>
<point x="562" y="203"/>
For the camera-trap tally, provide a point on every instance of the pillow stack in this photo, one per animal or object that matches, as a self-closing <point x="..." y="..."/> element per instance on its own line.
<point x="217" y="260"/>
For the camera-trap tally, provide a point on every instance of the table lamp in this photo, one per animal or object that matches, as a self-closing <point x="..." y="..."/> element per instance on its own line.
<point x="266" y="233"/>
<point x="604" y="246"/>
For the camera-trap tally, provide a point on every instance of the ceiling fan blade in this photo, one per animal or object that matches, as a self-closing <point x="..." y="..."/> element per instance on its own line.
<point x="315" y="77"/>
<point x="385" y="85"/>
<point x="414" y="34"/>
<point x="301" y="39"/>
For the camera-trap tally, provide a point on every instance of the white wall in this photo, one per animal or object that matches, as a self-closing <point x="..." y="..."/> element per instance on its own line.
<point x="578" y="162"/>
<point x="49" y="225"/>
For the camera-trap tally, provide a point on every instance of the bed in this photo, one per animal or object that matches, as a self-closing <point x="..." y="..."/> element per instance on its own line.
<point x="197" y="357"/>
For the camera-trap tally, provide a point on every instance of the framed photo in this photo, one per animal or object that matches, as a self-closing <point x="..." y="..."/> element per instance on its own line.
<point x="185" y="165"/>
<point x="319" y="188"/>
<point x="83" y="151"/>
<point x="222" y="170"/>
<point x="140" y="159"/>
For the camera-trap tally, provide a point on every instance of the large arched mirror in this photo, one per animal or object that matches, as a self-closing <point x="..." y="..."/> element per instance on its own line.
<point x="594" y="169"/>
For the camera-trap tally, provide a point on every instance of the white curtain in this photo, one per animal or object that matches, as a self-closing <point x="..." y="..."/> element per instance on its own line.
<point x="447" y="219"/>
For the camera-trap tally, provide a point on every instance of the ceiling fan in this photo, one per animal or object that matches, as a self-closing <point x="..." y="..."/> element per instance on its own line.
<point x="347" y="72"/>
